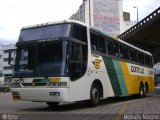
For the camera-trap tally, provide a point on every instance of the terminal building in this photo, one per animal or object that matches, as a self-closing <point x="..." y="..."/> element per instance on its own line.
<point x="105" y="15"/>
<point x="5" y="68"/>
<point x="1" y="74"/>
<point x="1" y="59"/>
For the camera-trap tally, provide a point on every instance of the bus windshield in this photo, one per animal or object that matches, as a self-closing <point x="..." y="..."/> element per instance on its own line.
<point x="39" y="60"/>
<point x="46" y="32"/>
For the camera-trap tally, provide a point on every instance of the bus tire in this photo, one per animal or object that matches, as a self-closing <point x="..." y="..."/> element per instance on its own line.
<point x="146" y="88"/>
<point x="142" y="91"/>
<point x="52" y="104"/>
<point x="94" y="96"/>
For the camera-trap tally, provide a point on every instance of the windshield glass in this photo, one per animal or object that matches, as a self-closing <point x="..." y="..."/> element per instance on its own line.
<point x="47" y="59"/>
<point x="45" y="32"/>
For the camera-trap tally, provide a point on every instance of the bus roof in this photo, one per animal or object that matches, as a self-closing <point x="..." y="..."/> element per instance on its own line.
<point x="56" y="22"/>
<point x="92" y="28"/>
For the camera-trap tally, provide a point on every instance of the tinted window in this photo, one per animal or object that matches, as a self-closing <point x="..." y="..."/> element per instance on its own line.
<point x="94" y="42"/>
<point x="148" y="60"/>
<point x="42" y="60"/>
<point x="110" y="47"/>
<point x="102" y="44"/>
<point x="123" y="52"/>
<point x="38" y="33"/>
<point x="79" y="32"/>
<point x="116" y="49"/>
<point x="151" y="61"/>
<point x="78" y="62"/>
<point x="141" y="58"/>
<point x="133" y="55"/>
<point x="98" y="43"/>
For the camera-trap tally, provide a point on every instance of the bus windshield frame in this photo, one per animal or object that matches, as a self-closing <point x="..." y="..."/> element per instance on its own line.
<point x="44" y="33"/>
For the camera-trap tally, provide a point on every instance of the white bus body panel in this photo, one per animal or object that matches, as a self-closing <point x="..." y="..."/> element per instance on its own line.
<point x="42" y="94"/>
<point x="80" y="89"/>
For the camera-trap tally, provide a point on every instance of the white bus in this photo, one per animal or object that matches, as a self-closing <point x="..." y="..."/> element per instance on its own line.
<point x="69" y="61"/>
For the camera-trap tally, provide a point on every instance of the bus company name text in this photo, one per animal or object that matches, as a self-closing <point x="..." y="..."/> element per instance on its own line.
<point x="137" y="69"/>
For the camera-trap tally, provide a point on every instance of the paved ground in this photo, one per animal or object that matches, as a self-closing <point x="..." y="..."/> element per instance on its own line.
<point x="114" y="108"/>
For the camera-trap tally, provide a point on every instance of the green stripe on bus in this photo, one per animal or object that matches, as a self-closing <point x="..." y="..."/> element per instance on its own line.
<point x="120" y="77"/>
<point x="112" y="75"/>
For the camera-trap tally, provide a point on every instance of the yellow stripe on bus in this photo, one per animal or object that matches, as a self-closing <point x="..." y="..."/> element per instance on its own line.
<point x="133" y="81"/>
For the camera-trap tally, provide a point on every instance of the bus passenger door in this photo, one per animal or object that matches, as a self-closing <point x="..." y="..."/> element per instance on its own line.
<point x="77" y="65"/>
<point x="75" y="61"/>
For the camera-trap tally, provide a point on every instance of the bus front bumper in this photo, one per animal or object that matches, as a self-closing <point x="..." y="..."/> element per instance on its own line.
<point x="41" y="94"/>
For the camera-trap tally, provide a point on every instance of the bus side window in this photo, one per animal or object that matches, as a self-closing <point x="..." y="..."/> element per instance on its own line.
<point x="79" y="33"/>
<point x="148" y="61"/>
<point x="110" y="47"/>
<point x="133" y="55"/>
<point x="94" y="42"/>
<point x="116" y="49"/>
<point x="151" y="61"/>
<point x="123" y="52"/>
<point x="102" y="44"/>
<point x="141" y="58"/>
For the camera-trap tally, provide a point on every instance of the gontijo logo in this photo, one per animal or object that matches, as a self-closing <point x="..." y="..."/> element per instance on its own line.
<point x="97" y="63"/>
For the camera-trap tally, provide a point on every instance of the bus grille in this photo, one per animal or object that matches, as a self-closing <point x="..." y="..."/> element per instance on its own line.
<point x="35" y="84"/>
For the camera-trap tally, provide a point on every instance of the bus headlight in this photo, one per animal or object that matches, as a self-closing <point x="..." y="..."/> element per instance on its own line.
<point x="16" y="85"/>
<point x="56" y="82"/>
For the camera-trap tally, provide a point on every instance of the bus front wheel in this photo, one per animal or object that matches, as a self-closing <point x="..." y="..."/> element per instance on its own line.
<point x="52" y="104"/>
<point x="94" y="96"/>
